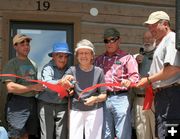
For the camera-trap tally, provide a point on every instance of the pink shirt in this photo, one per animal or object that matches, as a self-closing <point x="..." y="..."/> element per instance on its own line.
<point x="118" y="67"/>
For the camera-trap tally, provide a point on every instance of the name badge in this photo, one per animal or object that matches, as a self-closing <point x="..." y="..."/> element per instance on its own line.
<point x="118" y="62"/>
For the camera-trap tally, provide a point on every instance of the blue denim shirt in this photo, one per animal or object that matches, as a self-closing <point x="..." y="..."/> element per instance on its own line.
<point x="50" y="73"/>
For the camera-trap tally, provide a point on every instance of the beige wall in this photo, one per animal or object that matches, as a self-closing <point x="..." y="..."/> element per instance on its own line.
<point x="125" y="15"/>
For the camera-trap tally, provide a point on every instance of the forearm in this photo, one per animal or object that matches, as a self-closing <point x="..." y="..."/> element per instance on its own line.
<point x="166" y="73"/>
<point x="18" y="88"/>
<point x="100" y="98"/>
<point x="95" y="99"/>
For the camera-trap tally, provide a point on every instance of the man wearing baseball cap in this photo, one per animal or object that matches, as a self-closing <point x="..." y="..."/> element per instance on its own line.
<point x="118" y="66"/>
<point x="164" y="73"/>
<point x="21" y="105"/>
<point x="20" y="38"/>
<point x="53" y="110"/>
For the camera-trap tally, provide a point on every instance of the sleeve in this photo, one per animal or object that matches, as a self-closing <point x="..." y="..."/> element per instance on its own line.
<point x="70" y="71"/>
<point x="47" y="75"/>
<point x="171" y="52"/>
<point x="98" y="60"/>
<point x="102" y="80"/>
<point x="132" y="69"/>
<point x="9" y="69"/>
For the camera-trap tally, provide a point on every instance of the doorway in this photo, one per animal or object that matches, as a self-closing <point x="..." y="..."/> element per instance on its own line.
<point x="43" y="35"/>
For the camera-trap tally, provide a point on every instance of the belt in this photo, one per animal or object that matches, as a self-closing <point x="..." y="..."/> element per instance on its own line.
<point x="110" y="93"/>
<point x="140" y="95"/>
<point x="166" y="87"/>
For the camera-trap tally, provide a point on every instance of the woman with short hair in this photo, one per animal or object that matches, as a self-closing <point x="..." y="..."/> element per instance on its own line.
<point x="86" y="112"/>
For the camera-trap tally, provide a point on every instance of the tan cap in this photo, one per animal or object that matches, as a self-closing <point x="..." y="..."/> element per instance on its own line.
<point x="156" y="16"/>
<point x="19" y="38"/>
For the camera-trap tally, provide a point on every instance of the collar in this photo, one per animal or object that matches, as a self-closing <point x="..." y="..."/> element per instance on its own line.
<point x="54" y="65"/>
<point x="117" y="53"/>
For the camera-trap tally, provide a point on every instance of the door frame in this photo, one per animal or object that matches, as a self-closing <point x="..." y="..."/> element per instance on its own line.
<point x="16" y="25"/>
<point x="6" y="39"/>
<point x="44" y="18"/>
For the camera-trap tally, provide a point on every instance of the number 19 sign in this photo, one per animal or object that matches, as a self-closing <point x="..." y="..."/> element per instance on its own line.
<point x="43" y="5"/>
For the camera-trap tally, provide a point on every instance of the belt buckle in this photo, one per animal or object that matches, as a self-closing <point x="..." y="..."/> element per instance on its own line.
<point x="111" y="93"/>
<point x="140" y="95"/>
<point x="114" y="93"/>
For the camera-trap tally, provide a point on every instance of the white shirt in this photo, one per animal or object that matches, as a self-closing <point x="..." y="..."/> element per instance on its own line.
<point x="166" y="53"/>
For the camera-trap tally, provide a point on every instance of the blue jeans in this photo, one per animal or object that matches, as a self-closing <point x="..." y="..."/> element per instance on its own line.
<point x="3" y="133"/>
<point x="117" y="117"/>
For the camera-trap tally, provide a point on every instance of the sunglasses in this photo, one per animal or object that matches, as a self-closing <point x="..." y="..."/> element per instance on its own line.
<point x="112" y="40"/>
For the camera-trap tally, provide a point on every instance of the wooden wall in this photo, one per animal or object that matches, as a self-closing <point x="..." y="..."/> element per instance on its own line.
<point x="125" y="15"/>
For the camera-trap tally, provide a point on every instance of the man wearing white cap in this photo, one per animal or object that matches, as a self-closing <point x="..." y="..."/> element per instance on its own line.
<point x="164" y="73"/>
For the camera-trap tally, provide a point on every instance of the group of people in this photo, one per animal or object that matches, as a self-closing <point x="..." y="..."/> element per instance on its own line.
<point x="103" y="112"/>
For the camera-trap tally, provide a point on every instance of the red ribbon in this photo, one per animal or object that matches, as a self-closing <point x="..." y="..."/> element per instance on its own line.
<point x="54" y="87"/>
<point x="62" y="91"/>
<point x="103" y="84"/>
<point x="148" y="97"/>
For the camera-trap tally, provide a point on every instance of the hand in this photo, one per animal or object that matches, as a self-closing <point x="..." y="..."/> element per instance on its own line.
<point x="139" y="58"/>
<point x="142" y="83"/>
<point x="37" y="87"/>
<point x="66" y="82"/>
<point x="68" y="77"/>
<point x="126" y="83"/>
<point x="70" y="92"/>
<point x="90" y="101"/>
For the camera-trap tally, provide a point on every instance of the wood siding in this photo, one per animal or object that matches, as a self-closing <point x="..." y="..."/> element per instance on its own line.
<point x="126" y="15"/>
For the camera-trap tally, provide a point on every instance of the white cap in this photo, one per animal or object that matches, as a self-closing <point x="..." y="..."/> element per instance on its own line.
<point x="84" y="44"/>
<point x="156" y="16"/>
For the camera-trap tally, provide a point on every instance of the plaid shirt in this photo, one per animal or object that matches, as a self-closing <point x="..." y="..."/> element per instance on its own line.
<point x="118" y="67"/>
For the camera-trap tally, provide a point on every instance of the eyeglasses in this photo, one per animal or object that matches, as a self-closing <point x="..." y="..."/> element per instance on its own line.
<point x="84" y="53"/>
<point x="112" y="40"/>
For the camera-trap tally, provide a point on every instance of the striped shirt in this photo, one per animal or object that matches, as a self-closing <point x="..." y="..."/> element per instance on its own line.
<point x="118" y="67"/>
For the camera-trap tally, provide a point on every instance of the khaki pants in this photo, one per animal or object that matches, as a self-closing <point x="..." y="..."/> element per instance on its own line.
<point x="144" y="120"/>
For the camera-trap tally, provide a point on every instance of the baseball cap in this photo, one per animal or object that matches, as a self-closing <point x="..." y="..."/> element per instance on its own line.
<point x="60" y="47"/>
<point x="156" y="16"/>
<point x="111" y="32"/>
<point x="20" y="37"/>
